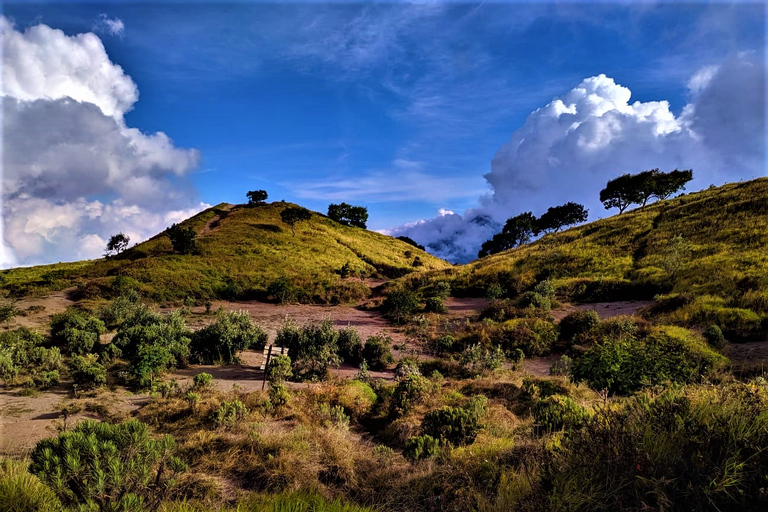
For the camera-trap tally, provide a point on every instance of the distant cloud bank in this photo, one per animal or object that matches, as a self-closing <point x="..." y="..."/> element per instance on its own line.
<point x="568" y="149"/>
<point x="73" y="172"/>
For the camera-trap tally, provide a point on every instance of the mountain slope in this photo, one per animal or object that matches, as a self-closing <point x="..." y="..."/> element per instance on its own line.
<point x="241" y="251"/>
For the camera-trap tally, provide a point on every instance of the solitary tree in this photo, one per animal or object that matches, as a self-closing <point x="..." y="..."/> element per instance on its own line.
<point x="348" y="214"/>
<point x="117" y="244"/>
<point x="293" y="215"/>
<point x="620" y="193"/>
<point x="182" y="239"/>
<point x="559" y="217"/>
<point x="516" y="231"/>
<point x="256" y="197"/>
<point x="669" y="183"/>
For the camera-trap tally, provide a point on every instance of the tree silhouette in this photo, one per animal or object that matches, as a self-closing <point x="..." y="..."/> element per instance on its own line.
<point x="117" y="244"/>
<point x="293" y="215"/>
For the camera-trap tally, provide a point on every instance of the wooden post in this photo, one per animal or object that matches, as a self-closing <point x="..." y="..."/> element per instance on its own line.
<point x="266" y="366"/>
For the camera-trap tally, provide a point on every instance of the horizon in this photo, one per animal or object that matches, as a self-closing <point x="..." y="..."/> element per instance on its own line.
<point x="127" y="117"/>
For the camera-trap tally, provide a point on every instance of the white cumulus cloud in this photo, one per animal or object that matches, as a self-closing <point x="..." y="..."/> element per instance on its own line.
<point x="568" y="149"/>
<point x="73" y="172"/>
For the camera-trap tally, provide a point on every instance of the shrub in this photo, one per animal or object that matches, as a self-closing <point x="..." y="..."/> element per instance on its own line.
<point x="378" y="352"/>
<point x="182" y="239"/>
<point x="545" y="288"/>
<point x="400" y="304"/>
<point x="577" y="323"/>
<point x="666" y="354"/>
<point x="21" y="491"/>
<point x="106" y="466"/>
<point x="229" y="414"/>
<point x="282" y="291"/>
<point x="406" y="367"/>
<point x="714" y="337"/>
<point x="279" y="369"/>
<point x="109" y="353"/>
<point x="456" y="425"/>
<point x="408" y="392"/>
<point x="533" y="336"/>
<point x="562" y="366"/>
<point x="350" y="346"/>
<point x="421" y="447"/>
<point x="477" y="359"/>
<point x="534" y="300"/>
<point x="87" y="372"/>
<point x="223" y="340"/>
<point x="47" y="379"/>
<point x="20" y="353"/>
<point x="313" y="347"/>
<point x="442" y="289"/>
<point x="494" y="291"/>
<point x="435" y="305"/>
<point x="202" y="380"/>
<point x="279" y="395"/>
<point x="557" y="412"/>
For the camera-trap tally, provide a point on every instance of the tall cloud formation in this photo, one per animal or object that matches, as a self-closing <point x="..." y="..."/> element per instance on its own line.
<point x="568" y="149"/>
<point x="73" y="172"/>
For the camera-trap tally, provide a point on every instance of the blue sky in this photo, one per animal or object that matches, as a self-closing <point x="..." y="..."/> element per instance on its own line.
<point x="397" y="107"/>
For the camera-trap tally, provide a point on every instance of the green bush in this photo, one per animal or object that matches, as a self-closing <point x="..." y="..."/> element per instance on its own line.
<point x="533" y="336"/>
<point x="408" y="392"/>
<point x="557" y="412"/>
<point x="377" y="352"/>
<point x="545" y="288"/>
<point x="421" y="447"/>
<point x="79" y="342"/>
<point x="21" y="354"/>
<point x="435" y="305"/>
<point x="313" y="347"/>
<point x="279" y="395"/>
<point x="229" y="414"/>
<point x="279" y="369"/>
<point x="577" y="323"/>
<point x="108" y="467"/>
<point x="350" y="346"/>
<point x="282" y="291"/>
<point x="406" y="367"/>
<point x="562" y="367"/>
<point x="442" y="289"/>
<point x="21" y="491"/>
<point x="400" y="305"/>
<point x="477" y="359"/>
<point x="87" y="372"/>
<point x="65" y="325"/>
<point x="714" y="336"/>
<point x="222" y="341"/>
<point x="666" y="354"/>
<point x="456" y="425"/>
<point x="534" y="300"/>
<point x="202" y="380"/>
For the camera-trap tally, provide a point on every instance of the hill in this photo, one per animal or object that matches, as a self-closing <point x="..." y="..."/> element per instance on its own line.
<point x="702" y="255"/>
<point x="243" y="252"/>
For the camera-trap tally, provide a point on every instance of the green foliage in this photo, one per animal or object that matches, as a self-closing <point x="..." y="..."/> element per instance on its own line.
<point x="117" y="244"/>
<point x="406" y="367"/>
<point x="622" y="366"/>
<point x="456" y="425"/>
<point x="77" y="331"/>
<point x="223" y="340"/>
<point x="516" y="231"/>
<point x="279" y="395"/>
<point x="108" y="467"/>
<point x="533" y="336"/>
<point x="409" y="391"/>
<point x="229" y="414"/>
<point x="714" y="337"/>
<point x="435" y="305"/>
<point x="685" y="449"/>
<point x="202" y="380"/>
<point x="558" y="217"/>
<point x="494" y="291"/>
<point x="534" y="300"/>
<point x="256" y="197"/>
<point x="477" y="359"/>
<point x="562" y="367"/>
<point x="349" y="215"/>
<point x="182" y="238"/>
<point x="21" y="491"/>
<point x="377" y="352"/>
<point x="313" y="347"/>
<point x="22" y="358"/>
<point x="577" y="323"/>
<point x="279" y="369"/>
<point x="282" y="291"/>
<point x="400" y="304"/>
<point x="421" y="447"/>
<point x="558" y="412"/>
<point x="8" y="311"/>
<point x="350" y="346"/>
<point x="86" y="371"/>
<point x="293" y="215"/>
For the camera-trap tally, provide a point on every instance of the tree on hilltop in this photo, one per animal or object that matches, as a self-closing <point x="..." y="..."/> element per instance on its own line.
<point x="516" y="231"/>
<point x="639" y="188"/>
<point x="558" y="217"/>
<point x="293" y="215"/>
<point x="256" y="197"/>
<point x="348" y="214"/>
<point x="117" y="244"/>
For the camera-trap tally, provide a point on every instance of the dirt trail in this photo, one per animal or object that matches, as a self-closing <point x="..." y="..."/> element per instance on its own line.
<point x="211" y="224"/>
<point x="37" y="311"/>
<point x="603" y="309"/>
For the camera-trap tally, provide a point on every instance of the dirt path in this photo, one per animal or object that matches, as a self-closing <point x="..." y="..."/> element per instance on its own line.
<point x="36" y="312"/>
<point x="211" y="224"/>
<point x="603" y="309"/>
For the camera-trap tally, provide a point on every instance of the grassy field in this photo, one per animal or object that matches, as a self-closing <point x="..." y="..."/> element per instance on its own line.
<point x="241" y="250"/>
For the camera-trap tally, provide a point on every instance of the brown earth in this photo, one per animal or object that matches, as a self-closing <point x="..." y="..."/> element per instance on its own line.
<point x="36" y="312"/>
<point x="603" y="309"/>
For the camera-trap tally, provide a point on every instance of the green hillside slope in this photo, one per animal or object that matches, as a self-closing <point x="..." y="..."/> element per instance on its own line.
<point x="241" y="251"/>
<point x="709" y="250"/>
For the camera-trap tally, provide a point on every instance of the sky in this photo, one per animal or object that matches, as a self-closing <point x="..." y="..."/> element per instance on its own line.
<point x="443" y="118"/>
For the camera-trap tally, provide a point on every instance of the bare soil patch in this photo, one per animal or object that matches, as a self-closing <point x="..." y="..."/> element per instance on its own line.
<point x="37" y="311"/>
<point x="603" y="309"/>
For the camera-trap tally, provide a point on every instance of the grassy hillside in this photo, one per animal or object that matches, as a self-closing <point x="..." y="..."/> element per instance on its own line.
<point x="240" y="252"/>
<point x="707" y="250"/>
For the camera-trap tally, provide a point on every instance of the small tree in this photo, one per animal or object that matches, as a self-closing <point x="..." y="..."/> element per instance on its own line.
<point x="293" y="215"/>
<point x="669" y="183"/>
<point x="182" y="239"/>
<point x="8" y="311"/>
<point x="620" y="193"/>
<point x="256" y="197"/>
<point x="516" y="231"/>
<point x="348" y="214"/>
<point x="117" y="244"/>
<point x="108" y="467"/>
<point x="559" y="217"/>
